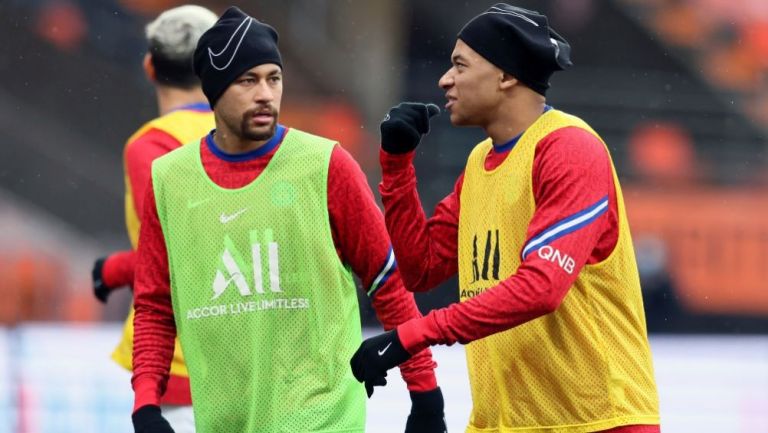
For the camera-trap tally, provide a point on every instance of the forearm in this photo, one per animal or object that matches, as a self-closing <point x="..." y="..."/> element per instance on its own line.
<point x="394" y="306"/>
<point x="536" y="288"/>
<point x="525" y="296"/>
<point x="362" y="241"/>
<point x="425" y="249"/>
<point x="154" y="332"/>
<point x="154" y="326"/>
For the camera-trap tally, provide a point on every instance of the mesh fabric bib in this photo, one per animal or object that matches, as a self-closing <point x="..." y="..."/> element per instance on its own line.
<point x="266" y="313"/>
<point x="586" y="366"/>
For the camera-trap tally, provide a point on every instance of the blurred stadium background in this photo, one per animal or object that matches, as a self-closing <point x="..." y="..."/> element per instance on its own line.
<point x="677" y="88"/>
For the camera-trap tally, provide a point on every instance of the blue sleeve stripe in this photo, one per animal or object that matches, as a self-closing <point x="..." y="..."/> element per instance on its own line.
<point x="567" y="225"/>
<point x="386" y="271"/>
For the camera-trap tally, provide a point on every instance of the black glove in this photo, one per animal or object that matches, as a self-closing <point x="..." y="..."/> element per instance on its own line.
<point x="403" y="126"/>
<point x="375" y="356"/>
<point x="149" y="420"/>
<point x="427" y="414"/>
<point x="100" y="290"/>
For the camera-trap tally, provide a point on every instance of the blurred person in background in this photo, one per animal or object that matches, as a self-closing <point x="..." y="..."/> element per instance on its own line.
<point x="537" y="231"/>
<point x="663" y="309"/>
<point x="184" y="117"/>
<point x="247" y="246"/>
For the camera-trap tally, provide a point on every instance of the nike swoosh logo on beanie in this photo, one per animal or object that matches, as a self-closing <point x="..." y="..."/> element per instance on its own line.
<point x="211" y="55"/>
<point x="236" y="43"/>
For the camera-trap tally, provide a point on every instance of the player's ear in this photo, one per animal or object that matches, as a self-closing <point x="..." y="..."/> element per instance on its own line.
<point x="149" y="68"/>
<point x="506" y="81"/>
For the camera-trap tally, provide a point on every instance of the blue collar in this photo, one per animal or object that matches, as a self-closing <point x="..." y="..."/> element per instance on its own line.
<point x="267" y="147"/>
<point x="506" y="147"/>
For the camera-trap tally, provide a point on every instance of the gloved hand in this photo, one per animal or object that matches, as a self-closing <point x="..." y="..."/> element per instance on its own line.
<point x="100" y="290"/>
<point x="403" y="126"/>
<point x="427" y="414"/>
<point x="375" y="356"/>
<point x="149" y="420"/>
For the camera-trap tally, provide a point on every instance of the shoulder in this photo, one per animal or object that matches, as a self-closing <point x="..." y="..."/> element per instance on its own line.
<point x="343" y="165"/>
<point x="310" y="139"/>
<point x="573" y="145"/>
<point x="151" y="138"/>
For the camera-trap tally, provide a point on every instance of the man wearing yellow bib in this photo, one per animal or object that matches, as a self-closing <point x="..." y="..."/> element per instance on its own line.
<point x="184" y="117"/>
<point x="551" y="311"/>
<point x="248" y="243"/>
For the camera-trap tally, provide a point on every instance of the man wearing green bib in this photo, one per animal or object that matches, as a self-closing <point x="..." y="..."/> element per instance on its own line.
<point x="247" y="247"/>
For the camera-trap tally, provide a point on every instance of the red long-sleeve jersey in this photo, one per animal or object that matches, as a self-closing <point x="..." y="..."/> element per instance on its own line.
<point x="360" y="238"/>
<point x="119" y="267"/>
<point x="571" y="172"/>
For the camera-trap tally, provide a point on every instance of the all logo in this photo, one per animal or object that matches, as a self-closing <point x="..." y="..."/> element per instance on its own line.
<point x="486" y="259"/>
<point x="233" y="265"/>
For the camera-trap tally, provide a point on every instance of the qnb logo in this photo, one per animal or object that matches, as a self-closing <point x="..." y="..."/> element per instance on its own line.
<point x="555" y="256"/>
<point x="236" y="276"/>
<point x="490" y="260"/>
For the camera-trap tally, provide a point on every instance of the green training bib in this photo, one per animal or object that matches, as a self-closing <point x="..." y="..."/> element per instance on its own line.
<point x="266" y="313"/>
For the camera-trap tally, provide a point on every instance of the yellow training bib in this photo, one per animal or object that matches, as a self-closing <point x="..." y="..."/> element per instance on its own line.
<point x="186" y="126"/>
<point x="585" y="367"/>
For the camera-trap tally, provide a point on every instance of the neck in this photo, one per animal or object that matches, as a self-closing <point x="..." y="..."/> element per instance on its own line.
<point x="514" y="116"/>
<point x="230" y="143"/>
<point x="170" y="98"/>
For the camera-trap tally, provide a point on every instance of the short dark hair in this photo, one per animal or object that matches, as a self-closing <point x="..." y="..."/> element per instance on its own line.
<point x="172" y="72"/>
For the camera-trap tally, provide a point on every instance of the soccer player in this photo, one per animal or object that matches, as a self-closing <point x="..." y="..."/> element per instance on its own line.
<point x="551" y="310"/>
<point x="184" y="117"/>
<point x="247" y="244"/>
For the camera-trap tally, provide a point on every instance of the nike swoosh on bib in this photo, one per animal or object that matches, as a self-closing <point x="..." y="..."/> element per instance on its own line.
<point x="215" y="57"/>
<point x="224" y="218"/>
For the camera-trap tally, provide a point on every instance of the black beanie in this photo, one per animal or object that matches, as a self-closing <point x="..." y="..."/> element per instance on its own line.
<point x="519" y="42"/>
<point x="235" y="44"/>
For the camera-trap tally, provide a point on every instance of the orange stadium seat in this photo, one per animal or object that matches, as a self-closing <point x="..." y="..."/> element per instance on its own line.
<point x="717" y="241"/>
<point x="682" y="24"/>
